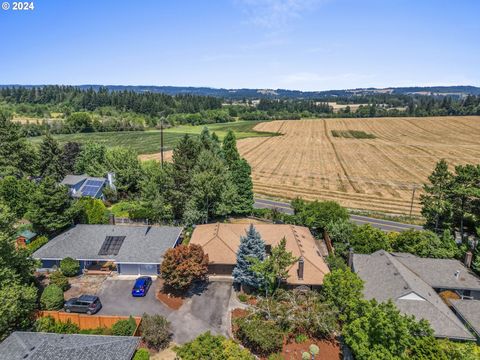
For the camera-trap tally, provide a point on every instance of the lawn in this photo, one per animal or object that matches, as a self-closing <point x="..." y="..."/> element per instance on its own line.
<point x="148" y="142"/>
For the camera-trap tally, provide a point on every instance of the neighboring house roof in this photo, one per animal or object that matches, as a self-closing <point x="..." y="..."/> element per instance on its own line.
<point x="469" y="311"/>
<point x="71" y="180"/>
<point x="440" y="273"/>
<point x="46" y="346"/>
<point x="221" y="242"/>
<point x="27" y="234"/>
<point x="385" y="277"/>
<point x="135" y="244"/>
<point x="87" y="185"/>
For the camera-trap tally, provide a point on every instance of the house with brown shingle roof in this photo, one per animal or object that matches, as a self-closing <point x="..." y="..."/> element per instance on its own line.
<point x="221" y="243"/>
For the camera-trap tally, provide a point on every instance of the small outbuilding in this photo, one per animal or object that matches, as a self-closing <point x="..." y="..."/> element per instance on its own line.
<point x="134" y="250"/>
<point x="24" y="238"/>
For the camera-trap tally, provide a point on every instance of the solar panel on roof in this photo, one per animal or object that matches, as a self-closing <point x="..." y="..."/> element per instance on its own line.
<point x="111" y="245"/>
<point x="90" y="190"/>
<point x="94" y="182"/>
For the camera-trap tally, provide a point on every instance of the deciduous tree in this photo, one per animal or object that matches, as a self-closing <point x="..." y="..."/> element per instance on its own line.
<point x="274" y="268"/>
<point x="183" y="265"/>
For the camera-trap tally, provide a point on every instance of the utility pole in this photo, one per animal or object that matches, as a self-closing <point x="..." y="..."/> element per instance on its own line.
<point x="413" y="196"/>
<point x="161" y="140"/>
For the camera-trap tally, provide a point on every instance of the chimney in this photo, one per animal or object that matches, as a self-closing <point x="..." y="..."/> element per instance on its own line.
<point x="301" y="265"/>
<point x="350" y="258"/>
<point x="468" y="259"/>
<point x="111" y="219"/>
<point x="111" y="180"/>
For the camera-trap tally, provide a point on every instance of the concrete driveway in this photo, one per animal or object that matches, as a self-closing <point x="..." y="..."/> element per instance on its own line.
<point x="205" y="309"/>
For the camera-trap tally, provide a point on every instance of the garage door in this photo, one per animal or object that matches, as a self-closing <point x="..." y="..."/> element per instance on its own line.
<point x="138" y="269"/>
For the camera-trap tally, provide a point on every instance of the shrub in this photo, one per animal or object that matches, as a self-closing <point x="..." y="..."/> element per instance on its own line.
<point x="52" y="298"/>
<point x="57" y="278"/>
<point x="141" y="354"/>
<point x="208" y="346"/>
<point x="243" y="297"/>
<point x="276" y="356"/>
<point x="37" y="243"/>
<point x="48" y="324"/>
<point x="261" y="336"/>
<point x="124" y="327"/>
<point x="183" y="265"/>
<point x="96" y="331"/>
<point x="155" y="331"/>
<point x="69" y="267"/>
<point x="301" y="338"/>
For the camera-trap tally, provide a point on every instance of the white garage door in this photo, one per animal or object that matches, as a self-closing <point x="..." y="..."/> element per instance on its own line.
<point x="138" y="269"/>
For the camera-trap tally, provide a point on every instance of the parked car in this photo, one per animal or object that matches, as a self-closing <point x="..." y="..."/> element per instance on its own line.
<point x="141" y="286"/>
<point x="88" y="304"/>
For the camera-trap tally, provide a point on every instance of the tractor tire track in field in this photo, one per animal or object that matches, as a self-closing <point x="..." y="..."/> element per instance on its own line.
<point x="354" y="187"/>
<point x="264" y="141"/>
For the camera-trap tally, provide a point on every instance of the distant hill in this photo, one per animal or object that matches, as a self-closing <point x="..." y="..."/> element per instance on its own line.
<point x="236" y="94"/>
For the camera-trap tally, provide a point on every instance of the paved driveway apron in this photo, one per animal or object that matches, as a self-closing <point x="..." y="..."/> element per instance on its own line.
<point x="205" y="310"/>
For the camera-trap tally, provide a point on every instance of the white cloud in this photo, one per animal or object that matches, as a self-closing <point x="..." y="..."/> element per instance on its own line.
<point x="273" y="14"/>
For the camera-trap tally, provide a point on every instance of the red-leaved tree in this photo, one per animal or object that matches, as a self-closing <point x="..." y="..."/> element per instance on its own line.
<point x="183" y="265"/>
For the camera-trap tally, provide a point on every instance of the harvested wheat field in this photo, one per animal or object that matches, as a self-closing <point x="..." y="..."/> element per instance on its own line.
<point x="374" y="174"/>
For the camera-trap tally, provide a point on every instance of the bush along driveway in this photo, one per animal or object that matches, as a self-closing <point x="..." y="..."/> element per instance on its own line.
<point x="206" y="307"/>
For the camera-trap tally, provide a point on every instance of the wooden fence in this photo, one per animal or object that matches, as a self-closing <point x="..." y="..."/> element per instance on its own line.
<point x="88" y="321"/>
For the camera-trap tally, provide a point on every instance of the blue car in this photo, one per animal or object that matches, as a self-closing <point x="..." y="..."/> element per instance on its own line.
<point x="141" y="286"/>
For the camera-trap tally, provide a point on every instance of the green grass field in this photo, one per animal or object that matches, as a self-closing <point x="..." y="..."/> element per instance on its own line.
<point x="148" y="142"/>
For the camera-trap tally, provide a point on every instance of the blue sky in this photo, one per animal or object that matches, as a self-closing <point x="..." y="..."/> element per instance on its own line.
<point x="294" y="44"/>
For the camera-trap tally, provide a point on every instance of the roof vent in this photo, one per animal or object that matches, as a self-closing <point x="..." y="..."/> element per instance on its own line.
<point x="395" y="273"/>
<point x="457" y="274"/>
<point x="389" y="263"/>
<point x="300" y="268"/>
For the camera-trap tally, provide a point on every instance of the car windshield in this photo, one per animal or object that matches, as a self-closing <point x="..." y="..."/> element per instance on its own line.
<point x="139" y="284"/>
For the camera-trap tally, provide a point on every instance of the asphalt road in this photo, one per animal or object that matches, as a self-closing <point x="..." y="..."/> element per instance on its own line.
<point x="385" y="225"/>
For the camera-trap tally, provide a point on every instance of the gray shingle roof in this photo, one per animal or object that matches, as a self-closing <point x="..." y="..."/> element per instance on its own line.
<point x="142" y="244"/>
<point x="440" y="273"/>
<point x="387" y="278"/>
<point x="73" y="179"/>
<point x="44" y="346"/>
<point x="469" y="310"/>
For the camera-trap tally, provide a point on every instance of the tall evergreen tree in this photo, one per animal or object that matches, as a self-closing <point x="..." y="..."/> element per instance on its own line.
<point x="184" y="157"/>
<point x="210" y="186"/>
<point x="70" y="152"/>
<point x="50" y="208"/>
<point x="16" y="192"/>
<point x="17" y="157"/>
<point x="251" y="246"/>
<point x="436" y="202"/>
<point x="465" y="194"/>
<point x="230" y="150"/>
<point x="241" y="175"/>
<point x="49" y="162"/>
<point x="18" y="294"/>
